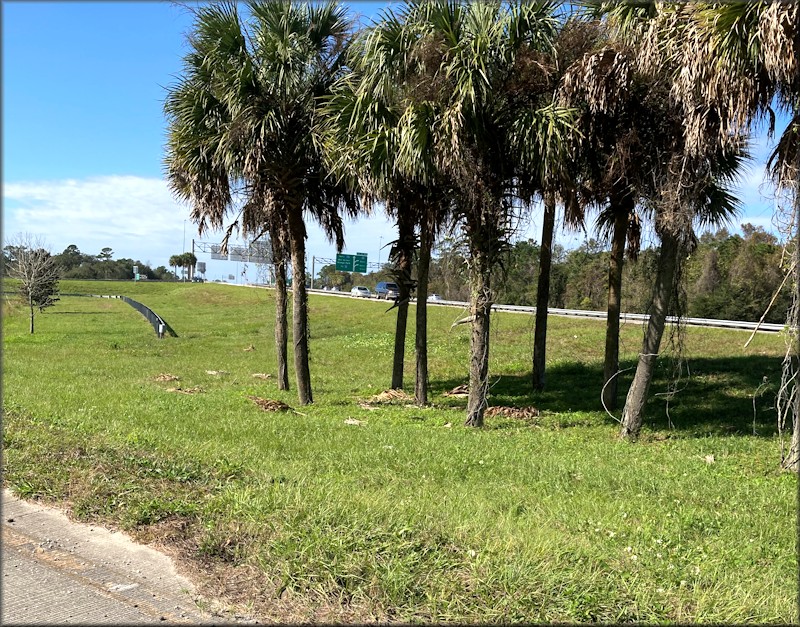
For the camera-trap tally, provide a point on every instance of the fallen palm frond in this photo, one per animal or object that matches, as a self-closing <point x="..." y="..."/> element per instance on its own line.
<point x="522" y="413"/>
<point x="459" y="390"/>
<point x="164" y="377"/>
<point x="261" y="375"/>
<point x="270" y="405"/>
<point x="391" y="396"/>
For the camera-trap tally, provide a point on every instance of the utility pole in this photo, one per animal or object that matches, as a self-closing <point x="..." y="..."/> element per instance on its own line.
<point x="183" y="250"/>
<point x="313" y="259"/>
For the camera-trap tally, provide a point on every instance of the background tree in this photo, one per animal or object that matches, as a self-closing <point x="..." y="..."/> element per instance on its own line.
<point x="32" y="265"/>
<point x="176" y="261"/>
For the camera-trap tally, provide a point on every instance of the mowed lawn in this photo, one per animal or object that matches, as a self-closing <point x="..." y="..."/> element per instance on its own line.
<point x="350" y="510"/>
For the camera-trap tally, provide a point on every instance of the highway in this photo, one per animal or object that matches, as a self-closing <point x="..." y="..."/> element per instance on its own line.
<point x="579" y="313"/>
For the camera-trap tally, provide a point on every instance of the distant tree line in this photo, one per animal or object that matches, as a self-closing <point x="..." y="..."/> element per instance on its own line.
<point x="75" y="264"/>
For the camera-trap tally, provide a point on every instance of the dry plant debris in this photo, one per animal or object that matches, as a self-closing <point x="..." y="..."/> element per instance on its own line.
<point x="262" y="375"/>
<point x="367" y="406"/>
<point x="164" y="377"/>
<point x="353" y="421"/>
<point x="390" y="396"/>
<point x="217" y="372"/>
<point x="249" y="348"/>
<point x="459" y="390"/>
<point x="523" y="413"/>
<point x="180" y="390"/>
<point x="269" y="405"/>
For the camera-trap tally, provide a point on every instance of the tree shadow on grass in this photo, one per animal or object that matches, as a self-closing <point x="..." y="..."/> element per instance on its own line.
<point x="716" y="396"/>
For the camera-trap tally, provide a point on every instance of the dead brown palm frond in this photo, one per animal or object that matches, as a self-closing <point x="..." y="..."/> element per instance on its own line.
<point x="778" y="35"/>
<point x="164" y="377"/>
<point x="269" y="405"/>
<point x="599" y="79"/>
<point x="521" y="413"/>
<point x="390" y="396"/>
<point x="458" y="391"/>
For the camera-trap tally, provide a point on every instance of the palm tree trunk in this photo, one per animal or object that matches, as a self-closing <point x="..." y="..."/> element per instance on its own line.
<point x="633" y="412"/>
<point x="297" y="243"/>
<point x="421" y="342"/>
<point x="622" y="212"/>
<point x="792" y="460"/>
<point x="480" y="308"/>
<point x="402" y="261"/>
<point x="281" y="329"/>
<point x="543" y="292"/>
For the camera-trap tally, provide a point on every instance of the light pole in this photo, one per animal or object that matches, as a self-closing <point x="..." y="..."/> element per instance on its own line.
<point x="183" y="250"/>
<point x="380" y="241"/>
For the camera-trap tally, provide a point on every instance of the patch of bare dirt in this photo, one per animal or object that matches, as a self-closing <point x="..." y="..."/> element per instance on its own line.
<point x="164" y="377"/>
<point x="269" y="405"/>
<point x="521" y="413"/>
<point x="179" y="390"/>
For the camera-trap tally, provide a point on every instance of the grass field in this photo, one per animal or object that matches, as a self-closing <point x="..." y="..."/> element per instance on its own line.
<point x="349" y="511"/>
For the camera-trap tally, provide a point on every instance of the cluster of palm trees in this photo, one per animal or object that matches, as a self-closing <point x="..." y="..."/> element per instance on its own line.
<point x="457" y="112"/>
<point x="184" y="260"/>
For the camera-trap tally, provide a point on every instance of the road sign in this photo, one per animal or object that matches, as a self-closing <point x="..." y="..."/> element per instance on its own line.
<point x="360" y="263"/>
<point x="344" y="263"/>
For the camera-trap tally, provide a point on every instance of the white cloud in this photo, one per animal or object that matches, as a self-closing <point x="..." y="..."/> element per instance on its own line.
<point x="137" y="217"/>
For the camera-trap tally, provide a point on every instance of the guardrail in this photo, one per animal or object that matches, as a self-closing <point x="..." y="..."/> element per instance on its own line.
<point x="159" y="325"/>
<point x="624" y="317"/>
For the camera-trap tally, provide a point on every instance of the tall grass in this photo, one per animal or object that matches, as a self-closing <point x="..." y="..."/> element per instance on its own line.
<point x="395" y="512"/>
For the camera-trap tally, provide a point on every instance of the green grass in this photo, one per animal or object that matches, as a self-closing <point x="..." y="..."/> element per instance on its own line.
<point x="402" y="517"/>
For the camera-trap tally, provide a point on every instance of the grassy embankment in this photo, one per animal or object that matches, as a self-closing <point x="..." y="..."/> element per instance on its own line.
<point x="300" y="515"/>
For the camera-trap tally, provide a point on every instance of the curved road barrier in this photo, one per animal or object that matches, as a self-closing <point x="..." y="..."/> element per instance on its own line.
<point x="157" y="322"/>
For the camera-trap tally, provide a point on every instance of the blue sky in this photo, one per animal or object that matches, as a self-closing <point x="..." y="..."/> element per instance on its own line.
<point x="83" y="134"/>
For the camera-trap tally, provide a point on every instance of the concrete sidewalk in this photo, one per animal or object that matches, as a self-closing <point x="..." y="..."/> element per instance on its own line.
<point x="55" y="571"/>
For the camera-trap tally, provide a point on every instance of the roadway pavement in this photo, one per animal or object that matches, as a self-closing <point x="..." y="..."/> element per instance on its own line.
<point x="55" y="571"/>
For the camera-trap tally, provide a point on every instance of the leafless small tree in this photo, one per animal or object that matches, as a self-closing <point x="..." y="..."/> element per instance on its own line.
<point x="33" y="266"/>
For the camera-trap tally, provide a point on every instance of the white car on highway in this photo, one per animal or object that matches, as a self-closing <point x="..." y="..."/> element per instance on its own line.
<point x="359" y="291"/>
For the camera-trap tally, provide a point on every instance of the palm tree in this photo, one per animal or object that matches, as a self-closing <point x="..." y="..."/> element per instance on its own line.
<point x="241" y="127"/>
<point x="176" y="261"/>
<point x="575" y="38"/>
<point x="366" y="123"/>
<point x="731" y="63"/>
<point x="627" y="128"/>
<point x="691" y="191"/>
<point x="462" y="76"/>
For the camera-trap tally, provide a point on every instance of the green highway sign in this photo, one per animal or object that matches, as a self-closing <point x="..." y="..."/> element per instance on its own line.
<point x="344" y="263"/>
<point x="352" y="263"/>
<point x="360" y="263"/>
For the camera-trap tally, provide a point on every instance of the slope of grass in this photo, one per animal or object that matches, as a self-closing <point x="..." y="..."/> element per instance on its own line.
<point x="348" y="511"/>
